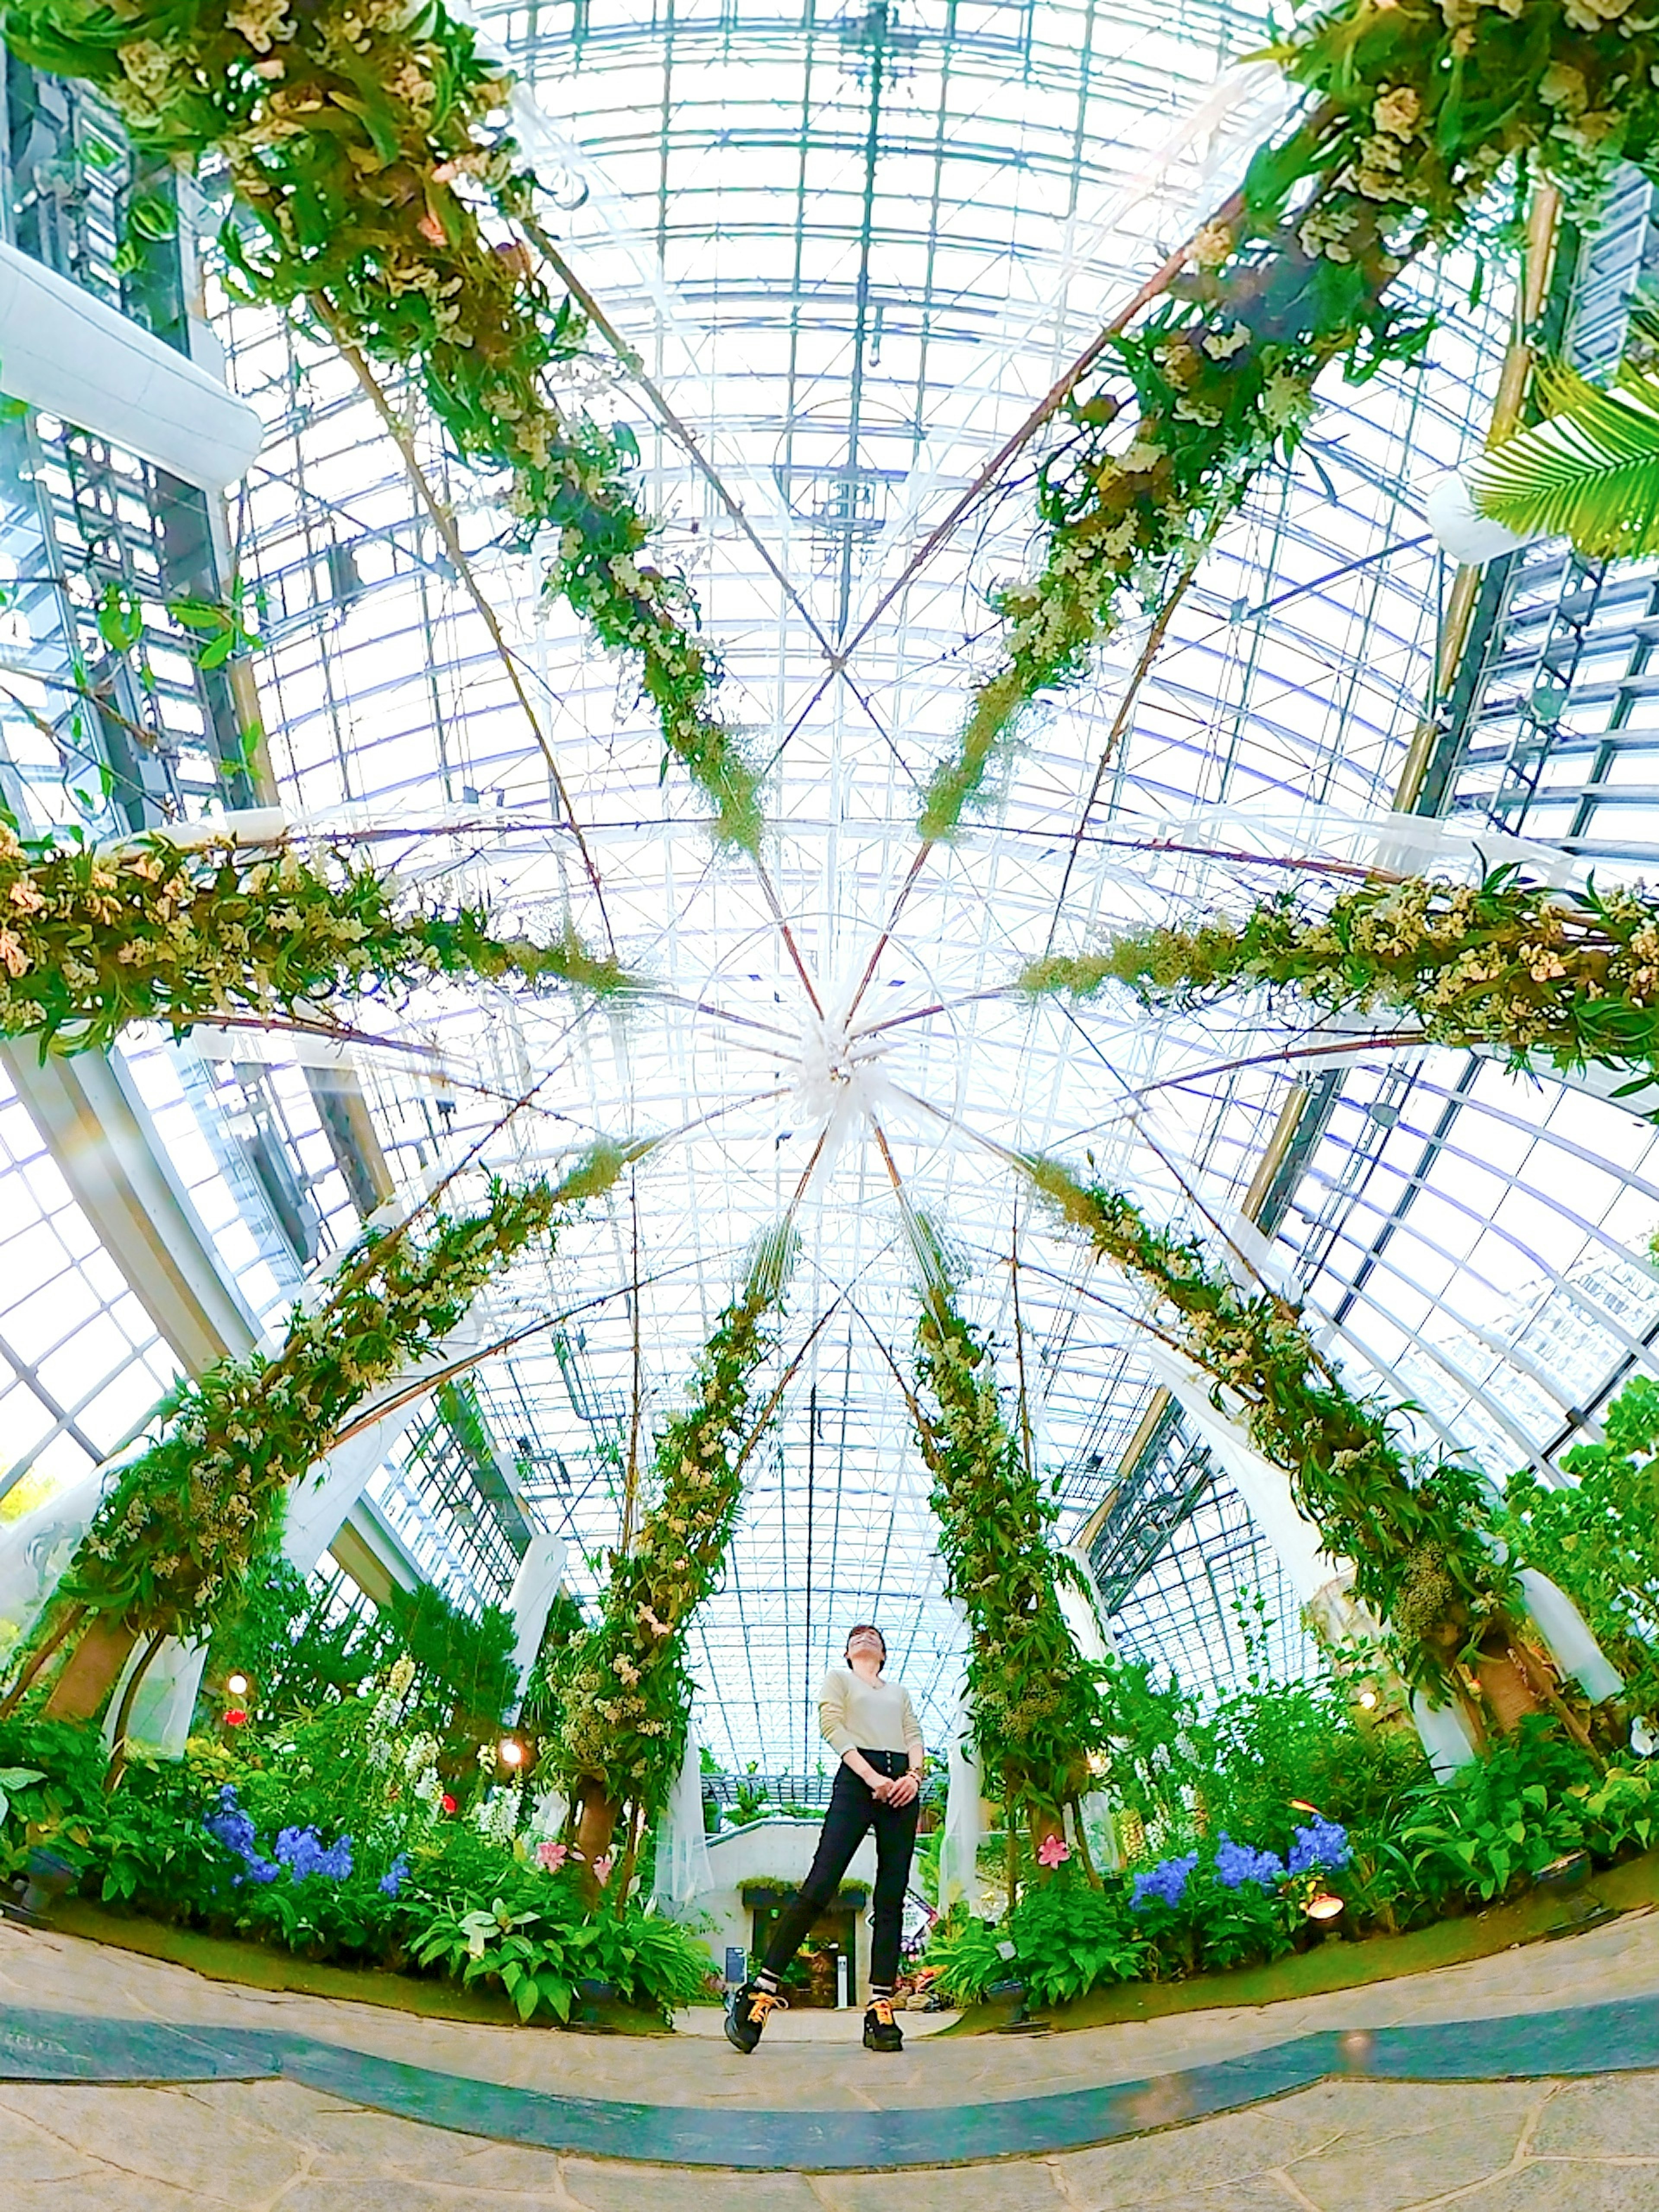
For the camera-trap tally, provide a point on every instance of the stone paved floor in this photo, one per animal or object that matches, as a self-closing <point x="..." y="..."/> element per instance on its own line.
<point x="1587" y="2146"/>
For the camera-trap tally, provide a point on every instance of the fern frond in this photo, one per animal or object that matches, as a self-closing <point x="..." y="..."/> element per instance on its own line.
<point x="1590" y="473"/>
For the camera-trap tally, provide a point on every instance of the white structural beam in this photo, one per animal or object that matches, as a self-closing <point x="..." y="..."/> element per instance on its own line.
<point x="63" y="350"/>
<point x="98" y="1132"/>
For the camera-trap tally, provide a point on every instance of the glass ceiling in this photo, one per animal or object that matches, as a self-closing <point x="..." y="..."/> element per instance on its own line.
<point x="854" y="250"/>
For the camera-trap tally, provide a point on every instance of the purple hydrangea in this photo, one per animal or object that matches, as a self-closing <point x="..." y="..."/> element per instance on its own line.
<point x="393" y="1879"/>
<point x="1322" y="1845"/>
<point x="300" y="1850"/>
<point x="1237" y="1863"/>
<point x="1166" y="1881"/>
<point x="232" y="1826"/>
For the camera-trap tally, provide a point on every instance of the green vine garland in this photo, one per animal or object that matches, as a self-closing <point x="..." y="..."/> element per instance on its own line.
<point x="1036" y="1707"/>
<point x="358" y="137"/>
<point x="92" y="940"/>
<point x="1419" y="105"/>
<point x="184" y="1523"/>
<point x="1420" y="1537"/>
<point x="625" y="1700"/>
<point x="1573" y="975"/>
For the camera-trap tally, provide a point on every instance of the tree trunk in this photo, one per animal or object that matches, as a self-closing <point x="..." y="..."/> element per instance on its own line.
<point x="596" y="1816"/>
<point x="34" y="1664"/>
<point x="1503" y="1682"/>
<point x="94" y="1667"/>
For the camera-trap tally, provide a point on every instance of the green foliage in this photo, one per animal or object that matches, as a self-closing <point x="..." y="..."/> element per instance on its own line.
<point x="1600" y="1539"/>
<point x="92" y="941"/>
<point x="1502" y="1819"/>
<point x="57" y="1805"/>
<point x="464" y="1906"/>
<point x="1071" y="1937"/>
<point x="1419" y="1535"/>
<point x="273" y="1632"/>
<point x="1151" y="1739"/>
<point x="1036" y="1705"/>
<point x="1266" y="1745"/>
<point x="364" y="145"/>
<point x="626" y="1690"/>
<point x="965" y="1951"/>
<point x="1568" y="976"/>
<point x="537" y="1942"/>
<point x="543" y="1710"/>
<point x="1416" y="110"/>
<point x="183" y="1525"/>
<point x="1589" y="473"/>
<point x="469" y="1660"/>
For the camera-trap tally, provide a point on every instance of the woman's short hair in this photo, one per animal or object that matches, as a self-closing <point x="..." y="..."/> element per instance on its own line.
<point x="865" y="1628"/>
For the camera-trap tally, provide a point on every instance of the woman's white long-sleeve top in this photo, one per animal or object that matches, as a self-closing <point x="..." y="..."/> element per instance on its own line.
<point x="854" y="1715"/>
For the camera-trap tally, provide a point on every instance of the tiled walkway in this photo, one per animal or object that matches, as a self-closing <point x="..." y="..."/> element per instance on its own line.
<point x="1582" y="2146"/>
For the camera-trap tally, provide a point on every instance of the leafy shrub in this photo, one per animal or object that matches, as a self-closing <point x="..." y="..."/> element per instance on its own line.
<point x="1502" y="1819"/>
<point x="251" y="1840"/>
<point x="1600" y="1538"/>
<point x="64" y="1800"/>
<point x="968" y="1955"/>
<point x="1274" y="1744"/>
<point x="1071" y="1938"/>
<point x="536" y="1940"/>
<point x="1204" y="1912"/>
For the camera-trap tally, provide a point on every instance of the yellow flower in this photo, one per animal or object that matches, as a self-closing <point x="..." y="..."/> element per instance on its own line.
<point x="1223" y="345"/>
<point x="1564" y="87"/>
<point x="1213" y="246"/>
<point x="1397" y="112"/>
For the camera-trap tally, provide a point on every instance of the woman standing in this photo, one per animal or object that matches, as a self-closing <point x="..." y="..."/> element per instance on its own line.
<point x="872" y="1724"/>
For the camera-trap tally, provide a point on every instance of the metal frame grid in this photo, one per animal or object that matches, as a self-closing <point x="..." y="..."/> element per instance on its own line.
<point x="855" y="251"/>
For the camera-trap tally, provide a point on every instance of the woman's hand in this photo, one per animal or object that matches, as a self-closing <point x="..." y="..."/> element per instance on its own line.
<point x="903" y="1791"/>
<point x="877" y="1785"/>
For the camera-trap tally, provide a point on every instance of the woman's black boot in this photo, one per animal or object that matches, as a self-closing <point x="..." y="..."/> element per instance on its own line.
<point x="746" y="2015"/>
<point x="881" y="2030"/>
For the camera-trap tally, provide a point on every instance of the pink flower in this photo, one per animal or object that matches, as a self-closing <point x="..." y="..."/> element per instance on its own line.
<point x="602" y="1869"/>
<point x="551" y="1856"/>
<point x="1053" y="1851"/>
<point x="430" y="228"/>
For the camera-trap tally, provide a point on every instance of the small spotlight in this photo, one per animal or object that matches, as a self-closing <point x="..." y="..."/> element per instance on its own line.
<point x="1325" y="1907"/>
<point x="237" y="1685"/>
<point x="510" y="1751"/>
<point x="1368" y="1700"/>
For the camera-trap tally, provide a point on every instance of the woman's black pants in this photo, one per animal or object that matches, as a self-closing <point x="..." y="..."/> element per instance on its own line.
<point x="853" y="1811"/>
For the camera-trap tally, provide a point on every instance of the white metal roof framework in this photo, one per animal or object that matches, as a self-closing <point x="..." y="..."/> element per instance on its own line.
<point x="853" y="250"/>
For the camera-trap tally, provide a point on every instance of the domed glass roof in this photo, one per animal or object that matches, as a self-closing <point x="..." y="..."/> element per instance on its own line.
<point x="850" y="253"/>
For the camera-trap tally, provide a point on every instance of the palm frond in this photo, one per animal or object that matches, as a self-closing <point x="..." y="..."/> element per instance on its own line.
<point x="771" y="1263"/>
<point x="1590" y="472"/>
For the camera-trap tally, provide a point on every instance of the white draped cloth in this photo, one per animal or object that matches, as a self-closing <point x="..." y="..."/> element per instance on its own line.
<point x="959" y="1850"/>
<point x="683" y="1871"/>
<point x="36" y="1549"/>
